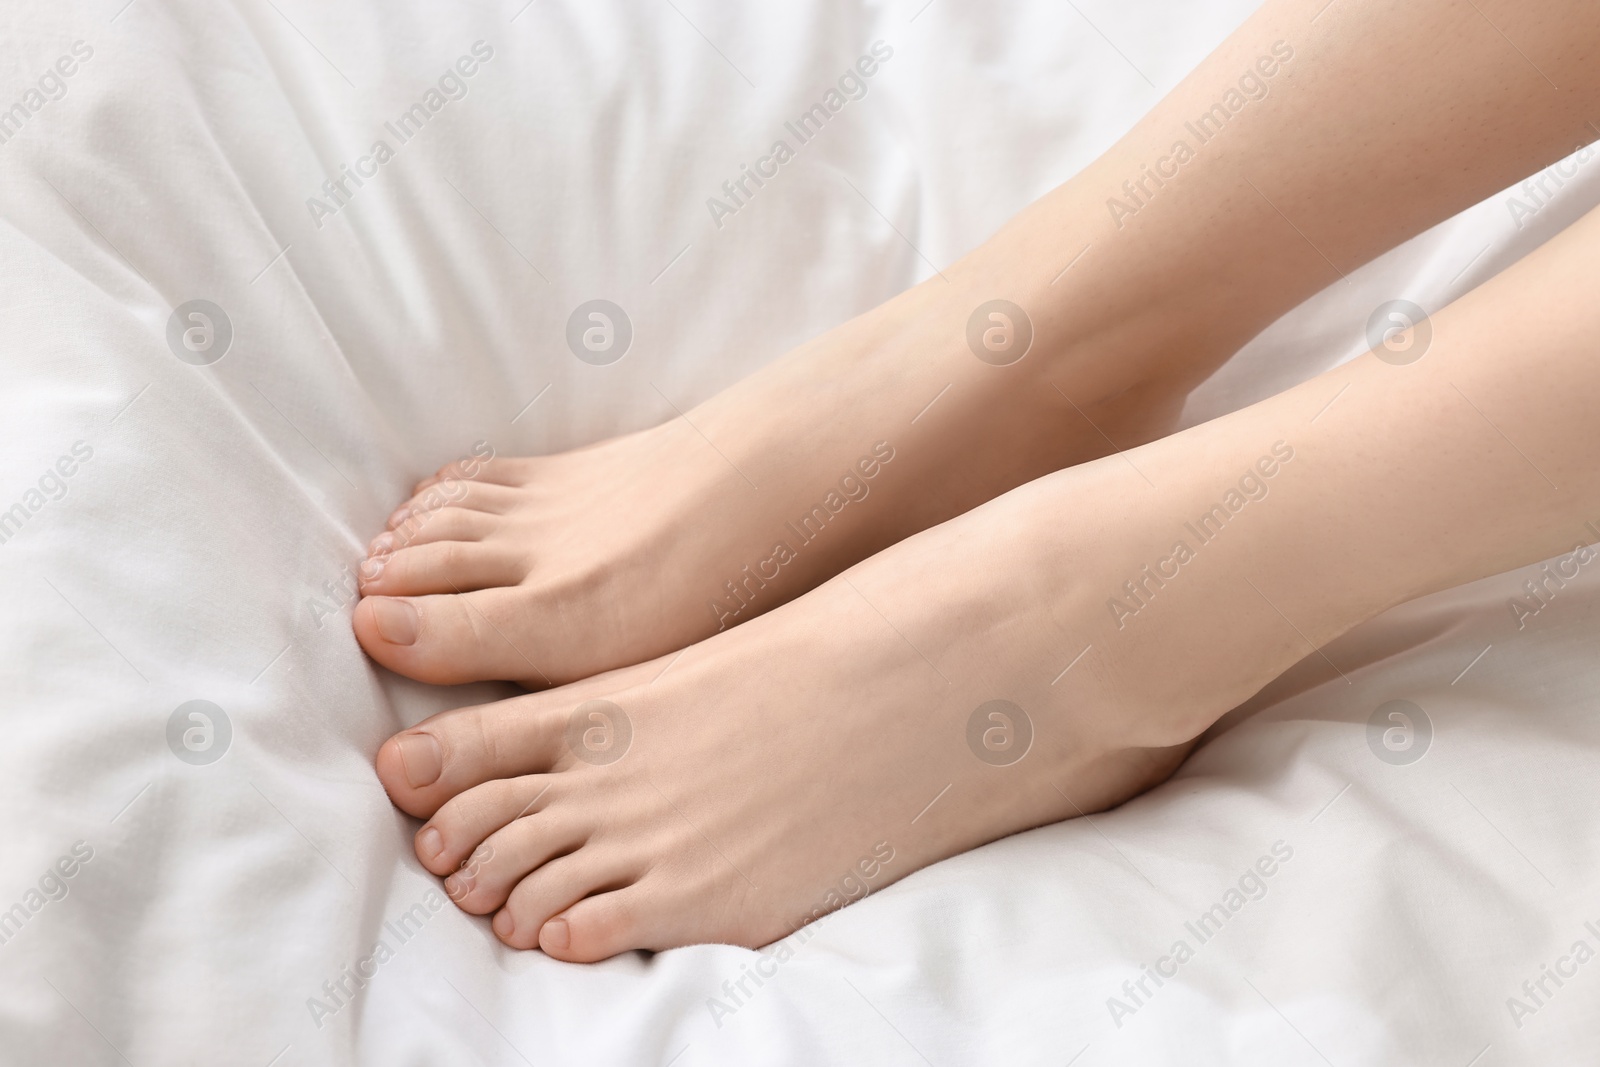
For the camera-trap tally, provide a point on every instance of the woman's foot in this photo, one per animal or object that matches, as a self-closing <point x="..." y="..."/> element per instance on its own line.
<point x="965" y="684"/>
<point x="549" y="569"/>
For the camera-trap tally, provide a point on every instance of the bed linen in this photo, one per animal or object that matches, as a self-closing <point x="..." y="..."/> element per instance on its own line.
<point x="237" y="330"/>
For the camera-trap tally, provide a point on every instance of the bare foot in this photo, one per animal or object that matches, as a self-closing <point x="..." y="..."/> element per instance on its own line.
<point x="912" y="708"/>
<point x="549" y="569"/>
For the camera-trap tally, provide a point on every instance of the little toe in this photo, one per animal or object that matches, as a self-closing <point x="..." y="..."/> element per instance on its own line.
<point x="510" y="855"/>
<point x="440" y="567"/>
<point x="474" y="496"/>
<point x="455" y="470"/>
<point x="496" y="470"/>
<point x="465" y="821"/>
<point x="444" y="524"/>
<point x="440" y="757"/>
<point x="450" y="639"/>
<point x="555" y="888"/>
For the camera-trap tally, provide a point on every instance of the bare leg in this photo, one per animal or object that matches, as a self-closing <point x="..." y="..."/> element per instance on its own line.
<point x="1374" y="121"/>
<point x="728" y="798"/>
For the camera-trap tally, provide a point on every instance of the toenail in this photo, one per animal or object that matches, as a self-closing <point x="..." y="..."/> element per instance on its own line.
<point x="430" y="842"/>
<point x="555" y="934"/>
<point x="503" y="923"/>
<point x="399" y="517"/>
<point x="372" y="568"/>
<point x="458" y="885"/>
<point x="421" y="757"/>
<point x="381" y="544"/>
<point x="396" y="620"/>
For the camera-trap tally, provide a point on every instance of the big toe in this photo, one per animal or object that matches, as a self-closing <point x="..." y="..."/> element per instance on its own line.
<point x="599" y="927"/>
<point x="449" y="639"/>
<point x="437" y="759"/>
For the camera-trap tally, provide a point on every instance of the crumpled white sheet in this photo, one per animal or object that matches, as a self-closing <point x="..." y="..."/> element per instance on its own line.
<point x="186" y="530"/>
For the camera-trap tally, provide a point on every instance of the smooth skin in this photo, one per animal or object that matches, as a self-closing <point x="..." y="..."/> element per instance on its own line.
<point x="610" y="555"/>
<point x="766" y="761"/>
<point x="769" y="760"/>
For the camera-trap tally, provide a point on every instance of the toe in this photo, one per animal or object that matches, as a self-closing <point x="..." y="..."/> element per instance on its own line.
<point x="456" y="470"/>
<point x="440" y="757"/>
<point x="431" y="497"/>
<point x="495" y="470"/>
<point x="597" y="927"/>
<point x="468" y="470"/>
<point x="494" y="499"/>
<point x="554" y="888"/>
<point x="450" y="639"/>
<point x="440" y="567"/>
<point x="513" y="853"/>
<point x="442" y="524"/>
<point x="465" y="821"/>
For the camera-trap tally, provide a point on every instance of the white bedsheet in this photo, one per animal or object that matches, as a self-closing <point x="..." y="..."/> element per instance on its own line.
<point x="198" y="550"/>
